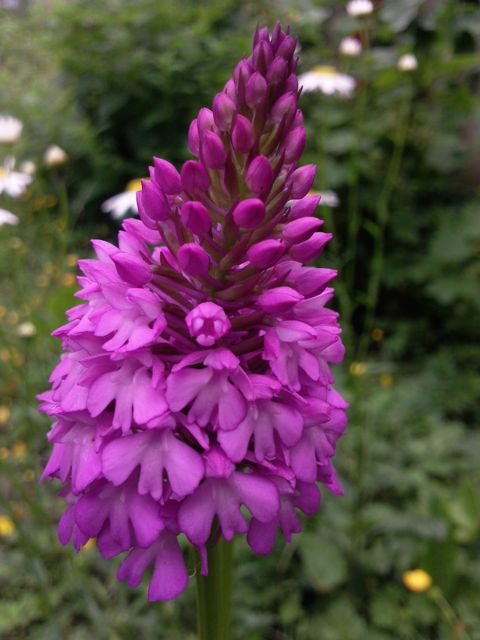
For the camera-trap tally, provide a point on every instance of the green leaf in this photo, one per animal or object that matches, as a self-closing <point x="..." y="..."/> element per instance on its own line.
<point x="323" y="562"/>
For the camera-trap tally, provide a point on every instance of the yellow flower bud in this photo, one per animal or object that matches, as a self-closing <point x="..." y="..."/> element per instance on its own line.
<point x="417" y="580"/>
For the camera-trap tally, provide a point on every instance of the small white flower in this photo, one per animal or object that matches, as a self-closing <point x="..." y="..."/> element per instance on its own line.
<point x="329" y="199"/>
<point x="7" y="217"/>
<point x="350" y="47"/>
<point x="118" y="206"/>
<point x="28" y="167"/>
<point x="407" y="62"/>
<point x="359" y="7"/>
<point x="26" y="330"/>
<point x="327" y="80"/>
<point x="13" y="183"/>
<point x="10" y="129"/>
<point x="54" y="156"/>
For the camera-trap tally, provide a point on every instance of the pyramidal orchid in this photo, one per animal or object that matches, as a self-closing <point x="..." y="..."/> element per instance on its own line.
<point x="194" y="395"/>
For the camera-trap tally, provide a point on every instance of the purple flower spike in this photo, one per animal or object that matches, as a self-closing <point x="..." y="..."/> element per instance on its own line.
<point x="194" y="396"/>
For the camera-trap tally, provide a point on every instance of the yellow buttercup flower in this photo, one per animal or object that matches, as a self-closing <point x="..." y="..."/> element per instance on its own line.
<point x="7" y="528"/>
<point x="417" y="580"/>
<point x="386" y="380"/>
<point x="4" y="414"/>
<point x="377" y="334"/>
<point x="19" y="450"/>
<point x="358" y="368"/>
<point x="72" y="259"/>
<point x="68" y="279"/>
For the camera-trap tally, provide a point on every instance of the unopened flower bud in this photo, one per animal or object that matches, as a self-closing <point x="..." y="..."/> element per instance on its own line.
<point x="54" y="156"/>
<point x="207" y="323"/>
<point x="205" y="120"/>
<point x="262" y="56"/>
<point x="265" y="253"/>
<point x="195" y="179"/>
<point x="284" y="107"/>
<point x="311" y="248"/>
<point x="279" y="299"/>
<point x="304" y="207"/>
<point x="287" y="47"/>
<point x="195" y="217"/>
<point x="242" y="134"/>
<point x="294" y="144"/>
<point x="407" y="62"/>
<point x="301" y="180"/>
<point x="242" y="73"/>
<point x="292" y="83"/>
<point x="249" y="213"/>
<point x="301" y="229"/>
<point x="230" y="89"/>
<point x="194" y="138"/>
<point x="261" y="35"/>
<point x="277" y="72"/>
<point x="132" y="269"/>
<point x="298" y="119"/>
<point x="256" y="90"/>
<point x="313" y="280"/>
<point x="214" y="154"/>
<point x="167" y="176"/>
<point x="153" y="202"/>
<point x="223" y="111"/>
<point x="259" y="176"/>
<point x="193" y="259"/>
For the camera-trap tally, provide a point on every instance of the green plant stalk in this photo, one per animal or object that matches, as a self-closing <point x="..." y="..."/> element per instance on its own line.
<point x="383" y="210"/>
<point x="214" y="592"/>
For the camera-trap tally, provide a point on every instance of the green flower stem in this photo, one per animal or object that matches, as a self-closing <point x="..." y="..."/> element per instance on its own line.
<point x="383" y="211"/>
<point x="214" y="592"/>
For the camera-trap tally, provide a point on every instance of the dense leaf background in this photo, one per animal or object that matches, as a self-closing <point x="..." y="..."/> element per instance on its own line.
<point x="115" y="82"/>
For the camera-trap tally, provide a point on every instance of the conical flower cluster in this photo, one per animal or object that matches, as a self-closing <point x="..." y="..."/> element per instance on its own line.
<point x="195" y="378"/>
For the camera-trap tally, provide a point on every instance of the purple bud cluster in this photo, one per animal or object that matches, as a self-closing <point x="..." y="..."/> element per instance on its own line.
<point x="195" y="385"/>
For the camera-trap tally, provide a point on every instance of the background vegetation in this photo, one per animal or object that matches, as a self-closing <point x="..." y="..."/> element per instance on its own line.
<point x="115" y="82"/>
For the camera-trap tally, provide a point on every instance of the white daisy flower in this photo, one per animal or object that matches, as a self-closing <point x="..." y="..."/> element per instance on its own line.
<point x="54" y="156"/>
<point x="407" y="62"/>
<point x="350" y="47"/>
<point x="13" y="183"/>
<point x="10" y="129"/>
<point x="7" y="217"/>
<point x="327" y="80"/>
<point x="118" y="206"/>
<point x="359" y="7"/>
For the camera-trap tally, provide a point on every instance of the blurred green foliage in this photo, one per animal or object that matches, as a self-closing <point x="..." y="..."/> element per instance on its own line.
<point x="114" y="83"/>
